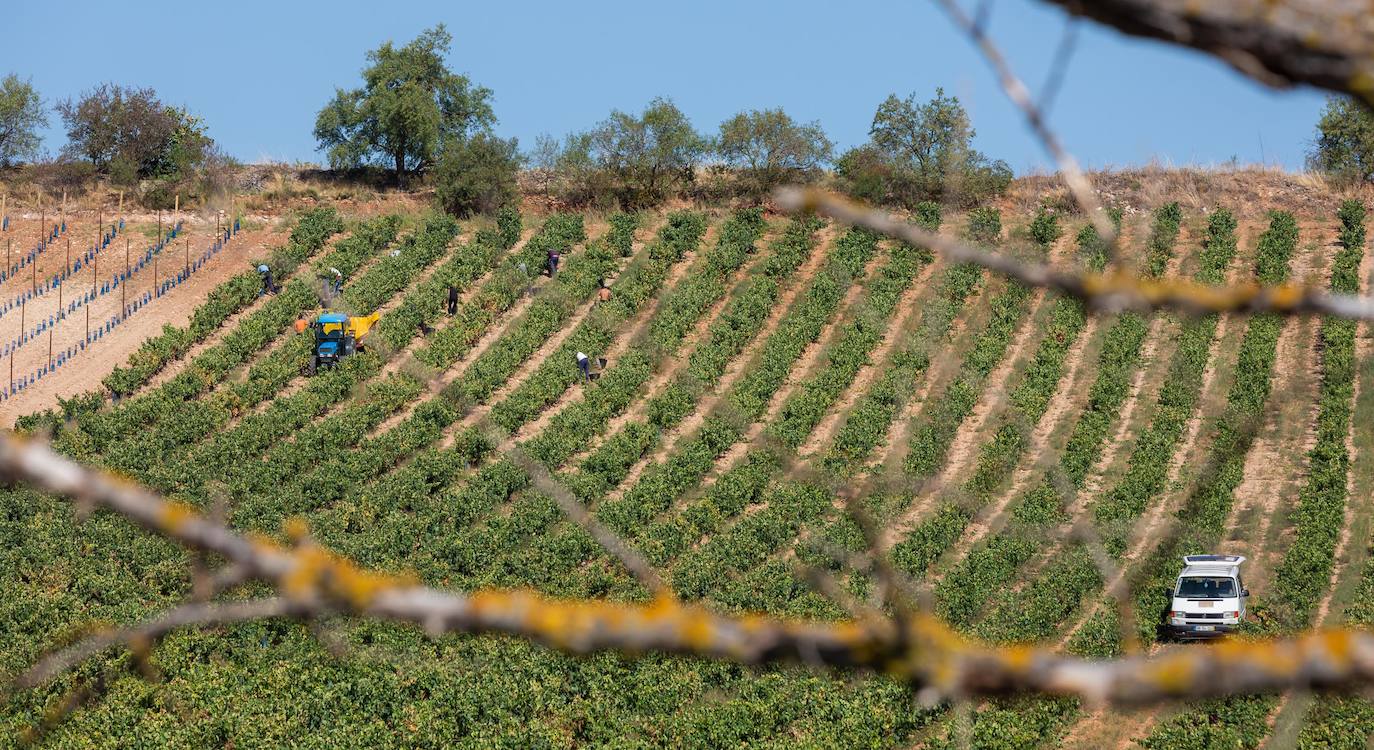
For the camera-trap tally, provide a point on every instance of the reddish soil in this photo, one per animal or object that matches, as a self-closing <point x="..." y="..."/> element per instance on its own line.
<point x="86" y="370"/>
<point x="899" y="327"/>
<point x="617" y="349"/>
<point x="806" y="366"/>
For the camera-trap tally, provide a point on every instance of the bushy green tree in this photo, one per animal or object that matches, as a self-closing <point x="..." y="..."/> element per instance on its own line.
<point x="477" y="175"/>
<point x="649" y="155"/>
<point x="21" y="115"/>
<point x="922" y="151"/>
<point x="568" y="171"/>
<point x="409" y="106"/>
<point x="130" y="134"/>
<point x="1344" y="147"/>
<point x="768" y="148"/>
<point x="865" y="173"/>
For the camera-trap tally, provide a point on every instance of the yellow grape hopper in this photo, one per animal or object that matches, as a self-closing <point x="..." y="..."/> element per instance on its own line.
<point x="336" y="337"/>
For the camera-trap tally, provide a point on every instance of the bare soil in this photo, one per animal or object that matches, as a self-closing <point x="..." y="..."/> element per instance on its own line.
<point x="89" y="367"/>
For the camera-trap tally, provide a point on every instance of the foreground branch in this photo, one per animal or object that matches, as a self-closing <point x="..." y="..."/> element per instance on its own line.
<point x="199" y="614"/>
<point x="1016" y="91"/>
<point x="1111" y="292"/>
<point x="1320" y="43"/>
<point x="315" y="583"/>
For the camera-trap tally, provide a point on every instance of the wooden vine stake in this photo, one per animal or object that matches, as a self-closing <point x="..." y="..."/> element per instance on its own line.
<point x="63" y="281"/>
<point x="95" y="269"/>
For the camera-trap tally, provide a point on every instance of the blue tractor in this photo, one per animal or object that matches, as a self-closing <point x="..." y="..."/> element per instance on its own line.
<point x="336" y="336"/>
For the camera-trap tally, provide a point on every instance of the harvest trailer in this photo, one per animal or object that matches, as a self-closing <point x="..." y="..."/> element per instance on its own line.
<point x="336" y="336"/>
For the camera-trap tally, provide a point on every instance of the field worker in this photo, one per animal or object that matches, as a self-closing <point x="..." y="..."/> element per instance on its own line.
<point x="338" y="279"/>
<point x="452" y="300"/>
<point x="525" y="272"/>
<point x="553" y="262"/>
<point x="585" y="365"/>
<point x="300" y="325"/>
<point x="267" y="285"/>
<point x="604" y="293"/>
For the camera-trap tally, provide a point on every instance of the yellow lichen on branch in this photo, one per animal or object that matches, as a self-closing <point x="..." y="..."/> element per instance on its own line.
<point x="916" y="647"/>
<point x="1113" y="292"/>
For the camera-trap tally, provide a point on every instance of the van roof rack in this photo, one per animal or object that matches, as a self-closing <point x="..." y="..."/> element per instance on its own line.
<point x="1220" y="561"/>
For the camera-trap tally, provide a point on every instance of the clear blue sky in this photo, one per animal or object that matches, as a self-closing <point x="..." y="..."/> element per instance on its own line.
<point x="259" y="71"/>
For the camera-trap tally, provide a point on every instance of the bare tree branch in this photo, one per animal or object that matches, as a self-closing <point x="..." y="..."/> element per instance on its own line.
<point x="1112" y="292"/>
<point x="197" y="614"/>
<point x="1325" y="44"/>
<point x="1020" y="96"/>
<point x="315" y="583"/>
<point x="1068" y="44"/>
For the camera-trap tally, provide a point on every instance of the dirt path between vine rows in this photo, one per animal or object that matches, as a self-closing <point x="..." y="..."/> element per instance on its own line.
<point x="1289" y="714"/>
<point x="665" y="370"/>
<point x="805" y="367"/>
<point x="939" y="373"/>
<point x="699" y="336"/>
<point x="944" y="371"/>
<point x="691" y="423"/>
<point x="1276" y="466"/>
<point x="86" y="371"/>
<point x="900" y="326"/>
<point x="1070" y="396"/>
<point x="1156" y="350"/>
<point x="740" y="365"/>
<point x="976" y="430"/>
<point x="1150" y="525"/>
<point x="1354" y="505"/>
<point x="629" y="333"/>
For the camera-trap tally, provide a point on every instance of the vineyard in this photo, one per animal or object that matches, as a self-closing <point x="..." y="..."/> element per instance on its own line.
<point x="1024" y="458"/>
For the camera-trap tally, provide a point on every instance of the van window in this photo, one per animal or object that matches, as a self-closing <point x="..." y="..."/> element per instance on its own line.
<point x="1197" y="587"/>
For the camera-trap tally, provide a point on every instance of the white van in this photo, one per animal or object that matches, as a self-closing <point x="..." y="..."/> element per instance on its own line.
<point x="1209" y="597"/>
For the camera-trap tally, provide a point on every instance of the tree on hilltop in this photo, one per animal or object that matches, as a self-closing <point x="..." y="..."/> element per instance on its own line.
<point x="768" y="148"/>
<point x="21" y="115"/>
<point x="922" y="151"/>
<point x="131" y="134"/>
<point x="1344" y="147"/>
<point x="409" y="106"/>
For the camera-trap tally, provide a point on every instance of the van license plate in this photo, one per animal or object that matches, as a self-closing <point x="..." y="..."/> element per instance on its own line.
<point x="1204" y="605"/>
<point x="1204" y="628"/>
